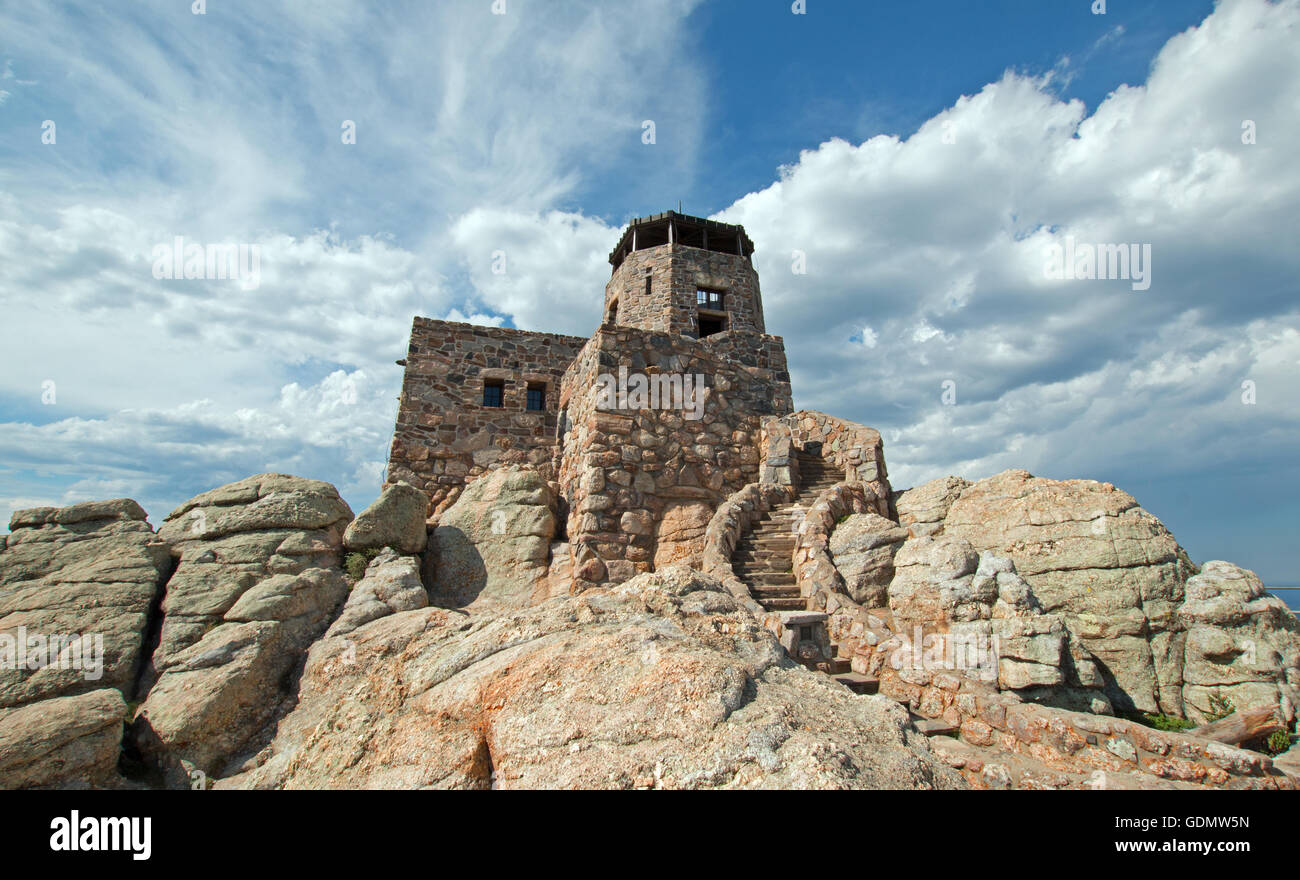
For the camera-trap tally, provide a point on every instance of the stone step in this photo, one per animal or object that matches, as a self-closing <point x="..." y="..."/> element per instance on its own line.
<point x="755" y="569"/>
<point x="762" y="541"/>
<point x="933" y="726"/>
<point x="750" y="554"/>
<point x="766" y="578"/>
<point x="778" y="562"/>
<point x="857" y="682"/>
<point x="762" y="565"/>
<point x="775" y="543"/>
<point x="794" y="603"/>
<point x="763" y="592"/>
<point x="838" y="665"/>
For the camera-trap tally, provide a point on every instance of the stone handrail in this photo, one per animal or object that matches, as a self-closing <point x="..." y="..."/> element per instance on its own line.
<point x="733" y="518"/>
<point x="814" y="571"/>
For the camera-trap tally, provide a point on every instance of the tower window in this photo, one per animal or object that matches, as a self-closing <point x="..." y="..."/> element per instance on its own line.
<point x="494" y="392"/>
<point x="711" y="313"/>
<point x="710" y="325"/>
<point x="536" y="396"/>
<point x="613" y="312"/>
<point x="706" y="298"/>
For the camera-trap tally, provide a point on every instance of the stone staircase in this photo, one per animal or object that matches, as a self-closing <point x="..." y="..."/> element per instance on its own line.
<point x="763" y="557"/>
<point x="763" y="560"/>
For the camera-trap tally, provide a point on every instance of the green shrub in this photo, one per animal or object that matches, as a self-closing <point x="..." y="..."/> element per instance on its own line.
<point x="356" y="563"/>
<point x="1220" y="707"/>
<point x="1278" y="742"/>
<point x="1165" y="722"/>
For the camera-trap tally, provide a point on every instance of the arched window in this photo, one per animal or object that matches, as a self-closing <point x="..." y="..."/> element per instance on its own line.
<point x="612" y="317"/>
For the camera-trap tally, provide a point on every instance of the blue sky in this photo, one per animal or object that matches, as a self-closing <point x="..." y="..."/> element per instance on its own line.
<point x="922" y="155"/>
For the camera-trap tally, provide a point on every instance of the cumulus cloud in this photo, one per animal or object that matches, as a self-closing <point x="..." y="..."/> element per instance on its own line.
<point x="938" y="243"/>
<point x="178" y="125"/>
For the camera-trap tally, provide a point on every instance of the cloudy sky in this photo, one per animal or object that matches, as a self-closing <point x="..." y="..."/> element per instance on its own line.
<point x="923" y="156"/>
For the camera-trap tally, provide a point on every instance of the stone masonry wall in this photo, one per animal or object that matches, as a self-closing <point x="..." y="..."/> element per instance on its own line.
<point x="627" y="475"/>
<point x="676" y="271"/>
<point x="855" y="449"/>
<point x="445" y="436"/>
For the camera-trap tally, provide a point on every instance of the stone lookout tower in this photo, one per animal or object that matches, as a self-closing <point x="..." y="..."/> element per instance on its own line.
<point x="686" y="275"/>
<point x="702" y="409"/>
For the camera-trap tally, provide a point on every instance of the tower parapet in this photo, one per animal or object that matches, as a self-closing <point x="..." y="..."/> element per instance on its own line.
<point x="681" y="274"/>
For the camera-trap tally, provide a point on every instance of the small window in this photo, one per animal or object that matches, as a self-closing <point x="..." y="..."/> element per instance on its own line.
<point x="647" y="284"/>
<point x="536" y="396"/>
<point x="494" y="392"/>
<point x="710" y="324"/>
<point x="706" y="298"/>
<point x="613" y="312"/>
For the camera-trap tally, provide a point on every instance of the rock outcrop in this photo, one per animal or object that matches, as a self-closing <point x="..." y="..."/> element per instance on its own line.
<point x="77" y="585"/>
<point x="663" y="682"/>
<point x="391" y="584"/>
<point x="492" y="545"/>
<point x="396" y="519"/>
<point x="64" y="742"/>
<point x="863" y="549"/>
<point x="258" y="581"/>
<point x="1242" y="644"/>
<point x="922" y="510"/>
<point x="79" y="579"/>
<point x="1091" y="554"/>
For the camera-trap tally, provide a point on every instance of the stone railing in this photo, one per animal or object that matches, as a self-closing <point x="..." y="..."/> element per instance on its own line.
<point x="733" y="518"/>
<point x="814" y="570"/>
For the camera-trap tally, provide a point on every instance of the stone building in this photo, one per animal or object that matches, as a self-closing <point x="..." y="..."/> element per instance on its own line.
<point x="646" y="427"/>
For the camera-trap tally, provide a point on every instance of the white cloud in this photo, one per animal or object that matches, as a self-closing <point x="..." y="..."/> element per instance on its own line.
<point x="940" y="248"/>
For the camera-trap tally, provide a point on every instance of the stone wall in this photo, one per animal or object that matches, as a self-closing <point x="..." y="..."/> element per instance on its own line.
<point x="676" y="271"/>
<point x="623" y="473"/>
<point x="445" y="436"/>
<point x="854" y="448"/>
<point x="1002" y="736"/>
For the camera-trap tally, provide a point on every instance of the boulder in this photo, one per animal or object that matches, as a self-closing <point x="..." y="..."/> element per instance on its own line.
<point x="258" y="581"/>
<point x="663" y="682"/>
<point x="959" y="611"/>
<point x="492" y="545"/>
<point x="862" y="548"/>
<point x="1110" y="569"/>
<point x="922" y="510"/>
<point x="391" y="584"/>
<point x="76" y="588"/>
<point x="63" y="742"/>
<point x="396" y="519"/>
<point x="1242" y="644"/>
<point x="680" y="537"/>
